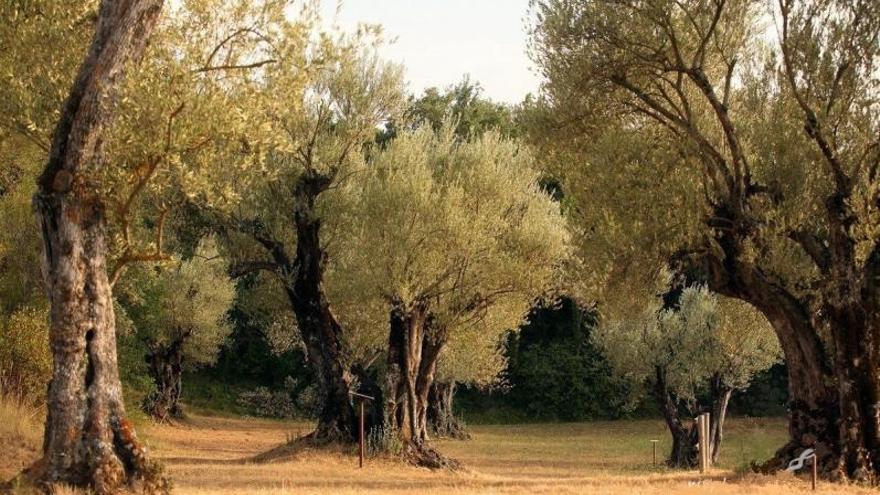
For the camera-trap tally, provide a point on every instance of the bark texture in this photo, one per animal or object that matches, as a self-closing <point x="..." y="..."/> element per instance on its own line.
<point x="303" y="276"/>
<point x="441" y="415"/>
<point x="88" y="441"/>
<point x="165" y="366"/>
<point x="813" y="402"/>
<point x="414" y="347"/>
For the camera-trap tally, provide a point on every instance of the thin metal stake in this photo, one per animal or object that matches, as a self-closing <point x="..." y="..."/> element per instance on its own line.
<point x="362" y="434"/>
<point x="815" y="472"/>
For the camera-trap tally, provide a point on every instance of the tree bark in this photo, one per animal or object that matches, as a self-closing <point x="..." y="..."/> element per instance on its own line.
<point x="684" y="435"/>
<point x="165" y="366"/>
<point x="414" y="348"/>
<point x="88" y="441"/>
<point x="720" y="395"/>
<point x="320" y="330"/>
<point x="813" y="409"/>
<point x="303" y="278"/>
<point x="441" y="415"/>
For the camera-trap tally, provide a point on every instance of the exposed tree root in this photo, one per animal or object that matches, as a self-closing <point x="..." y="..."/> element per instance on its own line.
<point x="422" y="455"/>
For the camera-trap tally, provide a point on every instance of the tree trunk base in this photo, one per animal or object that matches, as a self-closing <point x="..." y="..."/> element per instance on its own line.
<point x="327" y="439"/>
<point x="808" y="429"/>
<point x="115" y="470"/>
<point x="421" y="455"/>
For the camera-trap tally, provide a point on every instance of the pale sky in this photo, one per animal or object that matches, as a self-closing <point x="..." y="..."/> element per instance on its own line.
<point x="439" y="41"/>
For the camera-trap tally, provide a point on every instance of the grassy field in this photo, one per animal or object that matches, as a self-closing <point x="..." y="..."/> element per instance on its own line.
<point x="209" y="455"/>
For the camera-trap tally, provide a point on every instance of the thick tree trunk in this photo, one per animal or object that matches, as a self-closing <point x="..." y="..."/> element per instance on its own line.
<point x="165" y="366"/>
<point x="88" y="441"/>
<point x="320" y="330"/>
<point x="414" y="348"/>
<point x="441" y="416"/>
<point x="813" y="409"/>
<point x="856" y="368"/>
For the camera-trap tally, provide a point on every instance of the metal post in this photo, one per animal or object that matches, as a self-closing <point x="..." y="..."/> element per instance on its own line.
<point x="815" y="471"/>
<point x="706" y="440"/>
<point x="362" y="434"/>
<point x="361" y="398"/>
<point x="654" y="445"/>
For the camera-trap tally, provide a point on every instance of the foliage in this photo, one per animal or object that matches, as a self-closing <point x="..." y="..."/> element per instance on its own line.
<point x="700" y="337"/>
<point x="463" y="104"/>
<point x="25" y="359"/>
<point x="182" y="301"/>
<point x="555" y="369"/>
<point x="461" y="226"/>
<point x="21" y="283"/>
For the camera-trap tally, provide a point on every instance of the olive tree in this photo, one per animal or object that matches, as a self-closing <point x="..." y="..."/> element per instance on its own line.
<point x="445" y="236"/>
<point x="89" y="200"/>
<point x="475" y="358"/>
<point x="739" y="140"/>
<point x="322" y="117"/>
<point x="178" y="310"/>
<point x="690" y="349"/>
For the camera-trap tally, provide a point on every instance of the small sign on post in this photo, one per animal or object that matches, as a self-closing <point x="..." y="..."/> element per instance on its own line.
<point x="362" y="398"/>
<point x="798" y="462"/>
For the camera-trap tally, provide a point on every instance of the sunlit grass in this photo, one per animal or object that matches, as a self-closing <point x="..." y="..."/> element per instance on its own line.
<point x="210" y="456"/>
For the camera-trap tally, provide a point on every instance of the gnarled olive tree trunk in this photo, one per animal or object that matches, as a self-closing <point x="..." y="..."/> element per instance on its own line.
<point x="685" y="436"/>
<point x="414" y="347"/>
<point x="88" y="440"/>
<point x="813" y="404"/>
<point x="303" y="279"/>
<point x="165" y="366"/>
<point x="441" y="416"/>
<point x="320" y="330"/>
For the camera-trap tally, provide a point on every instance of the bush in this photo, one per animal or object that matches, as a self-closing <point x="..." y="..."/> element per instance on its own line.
<point x="25" y="358"/>
<point x="384" y="440"/>
<point x="267" y="403"/>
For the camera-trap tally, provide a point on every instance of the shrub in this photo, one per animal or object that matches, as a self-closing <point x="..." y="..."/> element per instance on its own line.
<point x="266" y="403"/>
<point x="25" y="358"/>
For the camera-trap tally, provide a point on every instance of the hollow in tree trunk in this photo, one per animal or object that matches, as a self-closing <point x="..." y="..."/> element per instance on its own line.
<point x="414" y="348"/>
<point x="441" y="416"/>
<point x="165" y="366"/>
<point x="88" y="441"/>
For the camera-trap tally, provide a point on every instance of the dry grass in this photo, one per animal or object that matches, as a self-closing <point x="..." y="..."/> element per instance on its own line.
<point x="20" y="435"/>
<point x="207" y="455"/>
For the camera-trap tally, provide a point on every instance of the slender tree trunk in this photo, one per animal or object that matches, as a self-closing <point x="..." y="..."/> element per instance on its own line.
<point x="88" y="441"/>
<point x="165" y="366"/>
<point x="413" y="351"/>
<point x="441" y="416"/>
<point x="720" y="396"/>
